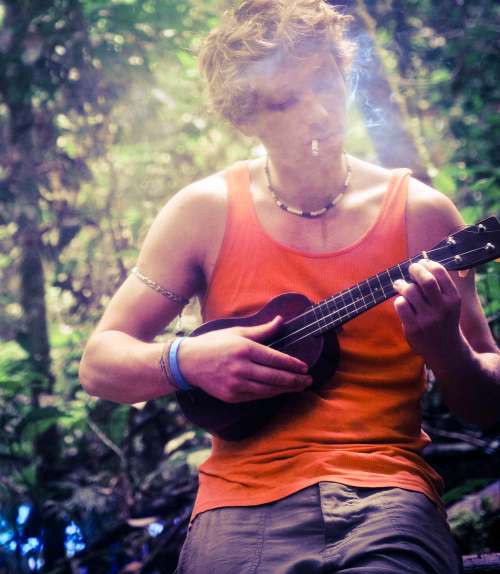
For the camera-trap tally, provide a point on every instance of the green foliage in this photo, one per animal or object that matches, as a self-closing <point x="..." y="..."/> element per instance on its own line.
<point x="468" y="487"/>
<point x="472" y="531"/>
<point x="117" y="121"/>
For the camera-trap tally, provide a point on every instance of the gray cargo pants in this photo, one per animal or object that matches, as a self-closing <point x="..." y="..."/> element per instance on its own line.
<point x="325" y="528"/>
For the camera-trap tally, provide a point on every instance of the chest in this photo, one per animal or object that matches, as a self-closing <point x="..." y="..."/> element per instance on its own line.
<point x="339" y="228"/>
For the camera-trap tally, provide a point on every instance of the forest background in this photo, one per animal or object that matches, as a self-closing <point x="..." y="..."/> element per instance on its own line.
<point x="102" y="119"/>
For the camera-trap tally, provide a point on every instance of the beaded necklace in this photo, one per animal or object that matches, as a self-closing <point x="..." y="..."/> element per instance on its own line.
<point x="318" y="212"/>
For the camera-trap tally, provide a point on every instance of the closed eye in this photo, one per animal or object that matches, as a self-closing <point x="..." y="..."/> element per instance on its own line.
<point x="282" y="105"/>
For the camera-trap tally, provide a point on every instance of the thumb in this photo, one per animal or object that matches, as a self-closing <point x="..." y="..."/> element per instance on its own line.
<point x="264" y="331"/>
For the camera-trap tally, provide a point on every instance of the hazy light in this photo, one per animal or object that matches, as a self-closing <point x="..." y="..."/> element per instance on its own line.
<point x="74" y="539"/>
<point x="155" y="529"/>
<point x="22" y="514"/>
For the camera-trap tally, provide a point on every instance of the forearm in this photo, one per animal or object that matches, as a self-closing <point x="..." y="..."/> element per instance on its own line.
<point x="118" y="367"/>
<point x="470" y="382"/>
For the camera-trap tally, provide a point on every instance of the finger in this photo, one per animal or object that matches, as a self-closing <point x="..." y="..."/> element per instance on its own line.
<point x="405" y="311"/>
<point x="273" y="358"/>
<point x="426" y="282"/>
<point x="256" y="390"/>
<point x="446" y="283"/>
<point x="411" y="294"/>
<point x="263" y="331"/>
<point x="276" y="377"/>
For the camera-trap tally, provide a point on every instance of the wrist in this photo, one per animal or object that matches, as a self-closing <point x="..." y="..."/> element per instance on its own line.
<point x="169" y="366"/>
<point x="456" y="360"/>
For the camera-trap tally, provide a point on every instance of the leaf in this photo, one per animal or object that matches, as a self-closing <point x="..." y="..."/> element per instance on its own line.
<point x="40" y="418"/>
<point x="445" y="183"/>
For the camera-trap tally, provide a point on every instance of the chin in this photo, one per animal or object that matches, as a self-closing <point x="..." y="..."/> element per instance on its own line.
<point x="328" y="146"/>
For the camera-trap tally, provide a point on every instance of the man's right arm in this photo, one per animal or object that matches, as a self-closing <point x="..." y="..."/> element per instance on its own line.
<point x="121" y="359"/>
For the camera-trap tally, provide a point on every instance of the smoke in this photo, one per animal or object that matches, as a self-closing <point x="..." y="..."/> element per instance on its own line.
<point x="361" y="80"/>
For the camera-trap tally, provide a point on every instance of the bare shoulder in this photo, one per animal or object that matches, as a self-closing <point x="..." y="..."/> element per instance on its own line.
<point x="185" y="224"/>
<point x="431" y="215"/>
<point x="201" y="201"/>
<point x="368" y="175"/>
<point x="203" y="194"/>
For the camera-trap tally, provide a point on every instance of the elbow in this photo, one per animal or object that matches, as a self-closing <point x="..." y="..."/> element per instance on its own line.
<point x="87" y="380"/>
<point x="91" y="368"/>
<point x="483" y="415"/>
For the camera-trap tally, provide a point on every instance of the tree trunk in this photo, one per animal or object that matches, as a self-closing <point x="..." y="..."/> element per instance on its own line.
<point x="16" y="88"/>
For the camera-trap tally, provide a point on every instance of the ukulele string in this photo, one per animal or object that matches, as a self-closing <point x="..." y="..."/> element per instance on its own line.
<point x="413" y="259"/>
<point x="338" y="312"/>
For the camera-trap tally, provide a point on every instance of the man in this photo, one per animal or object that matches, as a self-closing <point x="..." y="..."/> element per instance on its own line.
<point x="335" y="482"/>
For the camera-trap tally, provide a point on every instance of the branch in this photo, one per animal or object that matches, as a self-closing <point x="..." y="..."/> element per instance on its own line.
<point x="108" y="442"/>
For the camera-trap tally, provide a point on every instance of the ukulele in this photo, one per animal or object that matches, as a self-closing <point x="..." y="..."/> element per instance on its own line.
<point x="308" y="330"/>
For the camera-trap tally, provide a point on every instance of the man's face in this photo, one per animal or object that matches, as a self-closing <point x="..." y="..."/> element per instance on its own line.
<point x="299" y="101"/>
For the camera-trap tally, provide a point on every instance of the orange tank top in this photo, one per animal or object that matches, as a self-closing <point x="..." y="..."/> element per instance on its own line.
<point x="364" y="427"/>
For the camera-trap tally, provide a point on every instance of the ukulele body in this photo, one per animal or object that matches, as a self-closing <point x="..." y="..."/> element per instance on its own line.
<point x="236" y="421"/>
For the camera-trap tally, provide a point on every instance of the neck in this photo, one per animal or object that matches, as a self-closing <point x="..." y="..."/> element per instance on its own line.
<point x="308" y="183"/>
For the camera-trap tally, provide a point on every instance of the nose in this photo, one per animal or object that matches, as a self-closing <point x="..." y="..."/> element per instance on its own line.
<point x="316" y="112"/>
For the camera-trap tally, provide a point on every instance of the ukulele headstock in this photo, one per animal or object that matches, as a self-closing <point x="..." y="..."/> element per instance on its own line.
<point x="470" y="246"/>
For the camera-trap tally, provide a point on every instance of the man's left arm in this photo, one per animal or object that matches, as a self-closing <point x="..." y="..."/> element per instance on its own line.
<point x="442" y="316"/>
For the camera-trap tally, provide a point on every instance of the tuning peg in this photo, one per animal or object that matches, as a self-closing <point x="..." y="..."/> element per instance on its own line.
<point x="451" y="241"/>
<point x="489" y="247"/>
<point x="481" y="228"/>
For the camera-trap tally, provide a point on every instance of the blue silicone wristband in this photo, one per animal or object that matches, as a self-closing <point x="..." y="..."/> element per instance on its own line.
<point x="179" y="380"/>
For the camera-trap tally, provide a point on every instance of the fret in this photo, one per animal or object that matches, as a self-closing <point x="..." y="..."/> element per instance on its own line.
<point x="367" y="292"/>
<point x="345" y="307"/>
<point x="370" y="296"/>
<point x="352" y="304"/>
<point x="359" y="301"/>
<point x="403" y="274"/>
<point x="392" y="277"/>
<point x="332" y="310"/>
<point x="316" y="316"/>
<point x="324" y="317"/>
<point x="380" y="283"/>
<point x="338" y="307"/>
<point x="378" y="288"/>
<point x="361" y="298"/>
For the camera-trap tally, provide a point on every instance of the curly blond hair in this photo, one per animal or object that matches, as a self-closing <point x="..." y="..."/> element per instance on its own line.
<point x="257" y="31"/>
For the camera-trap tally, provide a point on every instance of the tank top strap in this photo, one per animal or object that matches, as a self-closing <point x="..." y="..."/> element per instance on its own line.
<point x="240" y="205"/>
<point x="392" y="219"/>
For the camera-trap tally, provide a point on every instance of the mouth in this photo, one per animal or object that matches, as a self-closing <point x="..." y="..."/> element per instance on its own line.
<point x="327" y="136"/>
<point x="338" y="133"/>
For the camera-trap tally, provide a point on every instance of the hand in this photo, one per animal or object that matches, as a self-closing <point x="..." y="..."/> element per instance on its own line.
<point x="232" y="365"/>
<point x="429" y="310"/>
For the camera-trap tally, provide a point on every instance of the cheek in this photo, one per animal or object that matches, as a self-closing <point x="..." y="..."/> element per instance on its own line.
<point x="281" y="126"/>
<point x="334" y="103"/>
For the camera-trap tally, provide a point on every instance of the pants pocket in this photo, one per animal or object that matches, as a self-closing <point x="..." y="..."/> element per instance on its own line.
<point x="224" y="541"/>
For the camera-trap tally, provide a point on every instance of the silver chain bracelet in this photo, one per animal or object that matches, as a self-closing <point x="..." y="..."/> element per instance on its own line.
<point x="159" y="289"/>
